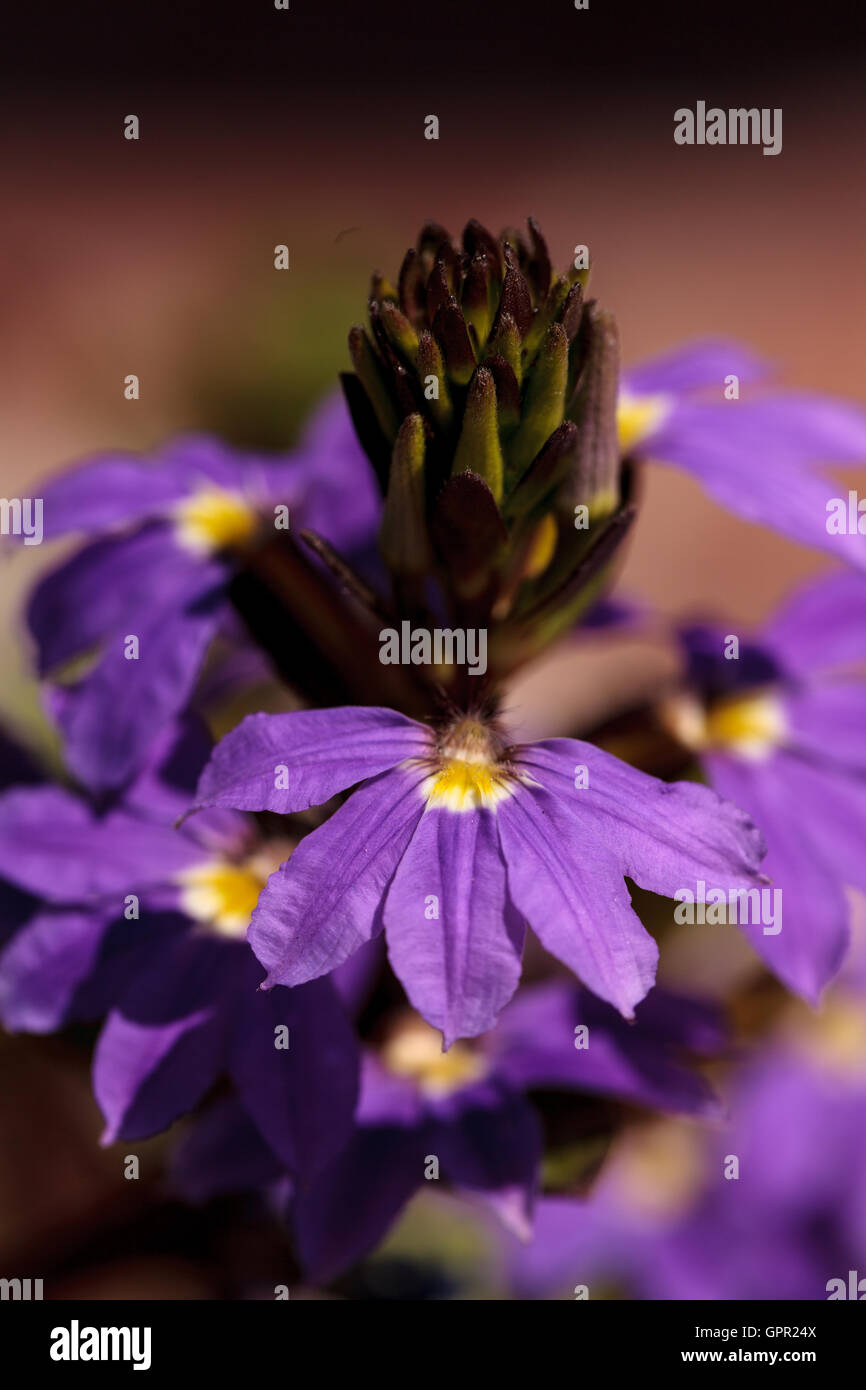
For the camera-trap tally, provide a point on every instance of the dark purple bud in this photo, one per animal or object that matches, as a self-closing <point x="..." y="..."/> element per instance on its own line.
<point x="572" y="311"/>
<point x="476" y="296"/>
<point x="468" y="533"/>
<point x="438" y="290"/>
<point x="449" y="328"/>
<point x="476" y="238"/>
<point x="507" y="391"/>
<point x="538" y="269"/>
<point x="411" y="289"/>
<point x="515" y="299"/>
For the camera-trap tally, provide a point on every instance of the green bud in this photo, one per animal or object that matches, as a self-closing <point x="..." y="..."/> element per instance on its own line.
<point x="595" y="480"/>
<point x="431" y="372"/>
<point x="543" y="402"/>
<point x="403" y="533"/>
<point x="368" y="371"/>
<point x="478" y="449"/>
<point x="401" y="334"/>
<point x="505" y="342"/>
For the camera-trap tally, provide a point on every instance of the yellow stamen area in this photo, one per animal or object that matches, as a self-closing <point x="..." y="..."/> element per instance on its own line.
<point x="750" y="726"/>
<point x="222" y="895"/>
<point x="637" y="417"/>
<point x="835" y="1038"/>
<point x="414" y="1051"/>
<point x="213" y="519"/>
<point x="658" y="1168"/>
<point x="462" y="786"/>
<point x="469" y="775"/>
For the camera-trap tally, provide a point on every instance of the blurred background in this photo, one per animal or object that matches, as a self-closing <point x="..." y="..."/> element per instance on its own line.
<point x="306" y="127"/>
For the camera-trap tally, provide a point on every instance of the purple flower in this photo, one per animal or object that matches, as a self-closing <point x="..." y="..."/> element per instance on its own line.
<point x="170" y="530"/>
<point x="454" y="840"/>
<point x="781" y="730"/>
<point x="756" y="456"/>
<point x="126" y="916"/>
<point x="786" y="1222"/>
<point x="464" y="1111"/>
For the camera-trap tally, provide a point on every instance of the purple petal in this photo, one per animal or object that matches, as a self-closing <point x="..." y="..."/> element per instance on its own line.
<point x="109" y="588"/>
<point x="755" y="458"/>
<point x="113" y="717"/>
<point x="663" y="835"/>
<point x="828" y="723"/>
<point x="811" y="946"/>
<point x="821" y="626"/>
<point x="831" y="814"/>
<point x="572" y="893"/>
<point x="165" y="1044"/>
<point x="127" y="949"/>
<point x="460" y="967"/>
<point x="302" y="1097"/>
<point x="573" y="1243"/>
<point x="164" y="788"/>
<point x="202" y="458"/>
<point x="52" y="846"/>
<point x="535" y="1046"/>
<point x="388" y="1100"/>
<point x="223" y="1154"/>
<point x="43" y="966"/>
<point x="495" y="1144"/>
<point x="694" y="367"/>
<point x="355" y="978"/>
<point x="323" y="904"/>
<point x="612" y="615"/>
<point x="786" y="428"/>
<point x="339" y="497"/>
<point x="349" y="1207"/>
<point x="105" y="492"/>
<point x="318" y="752"/>
<point x="121" y="489"/>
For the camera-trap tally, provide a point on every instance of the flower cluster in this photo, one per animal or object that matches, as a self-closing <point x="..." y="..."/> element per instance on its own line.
<point x="373" y="939"/>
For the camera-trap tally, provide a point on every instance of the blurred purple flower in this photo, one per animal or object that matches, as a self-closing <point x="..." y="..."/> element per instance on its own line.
<point x="792" y="1220"/>
<point x="118" y="913"/>
<point x="755" y="456"/>
<point x="466" y="1109"/>
<point x="169" y="531"/>
<point x="781" y="731"/>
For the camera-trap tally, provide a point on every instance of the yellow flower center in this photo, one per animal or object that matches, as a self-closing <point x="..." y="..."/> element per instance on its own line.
<point x="835" y="1038"/>
<point x="414" y="1051"/>
<point x="637" y="417"/>
<point x="657" y="1168"/>
<point x="751" y="726"/>
<point x="469" y="774"/>
<point x="213" y="519"/>
<point x="222" y="895"/>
